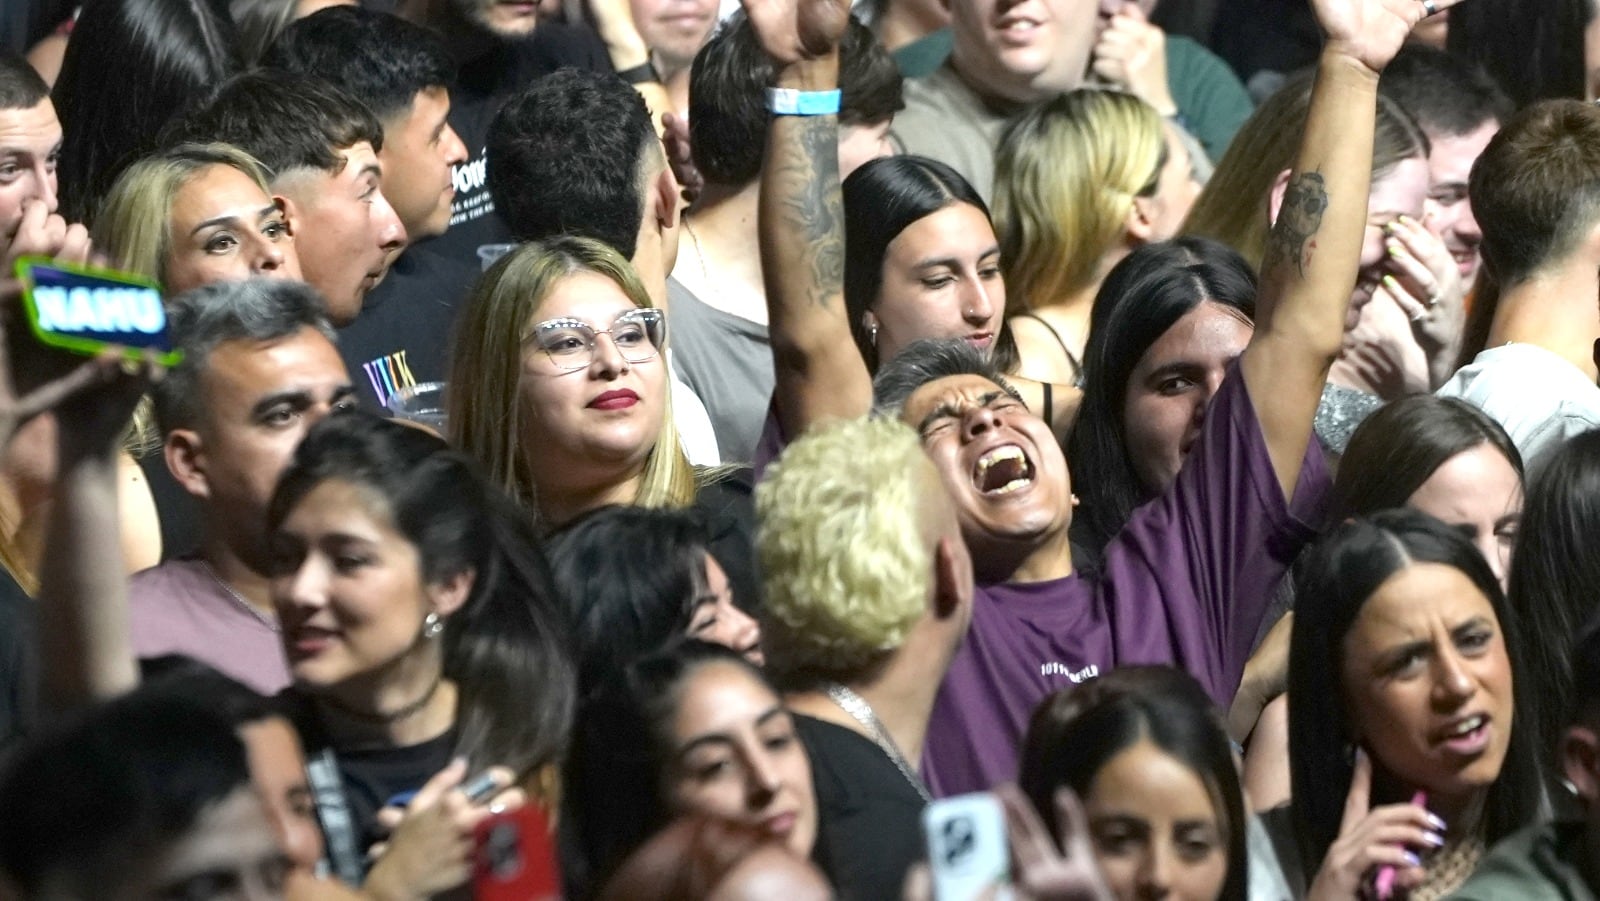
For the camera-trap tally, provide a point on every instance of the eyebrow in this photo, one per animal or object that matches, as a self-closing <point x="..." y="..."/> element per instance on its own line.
<point x="262" y="213"/>
<point x="299" y="397"/>
<point x="952" y="262"/>
<point x="722" y="738"/>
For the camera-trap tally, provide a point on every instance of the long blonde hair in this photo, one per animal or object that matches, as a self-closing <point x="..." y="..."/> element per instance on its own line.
<point x="486" y="369"/>
<point x="134" y="227"/>
<point x="1066" y="176"/>
<point x="1234" y="205"/>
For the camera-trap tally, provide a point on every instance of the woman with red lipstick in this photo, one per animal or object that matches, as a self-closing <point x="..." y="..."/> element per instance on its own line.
<point x="1404" y="650"/>
<point x="695" y="729"/>
<point x="559" y="388"/>
<point x="418" y="620"/>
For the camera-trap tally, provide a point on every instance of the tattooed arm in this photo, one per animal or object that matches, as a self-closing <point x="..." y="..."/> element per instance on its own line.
<point x="820" y="374"/>
<point x="1309" y="270"/>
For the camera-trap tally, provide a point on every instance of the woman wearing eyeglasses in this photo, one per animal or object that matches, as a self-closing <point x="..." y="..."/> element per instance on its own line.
<point x="559" y="387"/>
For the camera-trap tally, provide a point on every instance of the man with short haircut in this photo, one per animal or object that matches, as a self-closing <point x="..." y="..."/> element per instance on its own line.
<point x="148" y="796"/>
<point x="1535" y="195"/>
<point x="576" y="153"/>
<point x="675" y="30"/>
<point x="1557" y="860"/>
<point x="1459" y="108"/>
<point x="868" y="596"/>
<point x="259" y="369"/>
<point x="719" y="303"/>
<point x="30" y="142"/>
<point x="402" y="73"/>
<point x="1004" y="56"/>
<point x="321" y="147"/>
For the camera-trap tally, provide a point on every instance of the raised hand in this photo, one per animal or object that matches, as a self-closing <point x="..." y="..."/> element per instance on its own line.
<point x="34" y="379"/>
<point x="1052" y="868"/>
<point x="1132" y="54"/>
<point x="431" y="842"/>
<point x="793" y="31"/>
<point x="1370" y="32"/>
<point x="1373" y="838"/>
<point x="44" y="234"/>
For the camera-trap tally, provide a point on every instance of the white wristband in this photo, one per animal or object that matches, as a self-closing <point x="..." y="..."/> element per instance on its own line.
<point x="790" y="102"/>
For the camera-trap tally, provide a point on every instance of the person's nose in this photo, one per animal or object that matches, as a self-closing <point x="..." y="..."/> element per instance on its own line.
<point x="1452" y="683"/>
<point x="763" y="779"/>
<point x="268" y="256"/>
<point x="306" y="587"/>
<point x="390" y="232"/>
<point x="46" y="181"/>
<point x="977" y="308"/>
<point x="1155" y="878"/>
<point x="978" y="421"/>
<point x="1467" y="225"/>
<point x="605" y="358"/>
<point x="455" y="150"/>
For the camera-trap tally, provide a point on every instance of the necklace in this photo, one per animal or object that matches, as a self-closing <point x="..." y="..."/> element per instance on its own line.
<point x="393" y="716"/>
<point x="240" y="602"/>
<point x="699" y="254"/>
<point x="860" y="711"/>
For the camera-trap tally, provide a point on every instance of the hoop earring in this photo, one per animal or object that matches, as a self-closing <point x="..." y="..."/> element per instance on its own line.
<point x="432" y="625"/>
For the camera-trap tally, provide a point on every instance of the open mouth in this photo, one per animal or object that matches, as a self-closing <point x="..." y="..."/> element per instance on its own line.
<point x="1002" y="471"/>
<point x="1469" y="735"/>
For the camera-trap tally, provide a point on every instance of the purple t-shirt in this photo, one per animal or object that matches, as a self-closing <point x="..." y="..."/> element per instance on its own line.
<point x="179" y="607"/>
<point x="1186" y="582"/>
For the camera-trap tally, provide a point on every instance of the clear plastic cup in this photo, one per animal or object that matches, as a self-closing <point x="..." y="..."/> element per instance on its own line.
<point x="422" y="404"/>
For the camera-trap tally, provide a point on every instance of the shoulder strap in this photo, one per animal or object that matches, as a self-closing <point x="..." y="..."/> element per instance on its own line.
<point x="338" y="823"/>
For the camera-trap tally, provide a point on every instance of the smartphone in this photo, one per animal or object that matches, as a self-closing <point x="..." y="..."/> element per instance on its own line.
<point x="967" y="848"/>
<point x="516" y="858"/>
<point x="84" y="309"/>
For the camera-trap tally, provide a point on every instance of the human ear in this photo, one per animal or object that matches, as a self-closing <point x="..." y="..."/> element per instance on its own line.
<point x="448" y="595"/>
<point x="290" y="215"/>
<point x="1140" y="225"/>
<point x="669" y="199"/>
<point x="1580" y="762"/>
<point x="186" y="459"/>
<point x="952" y="577"/>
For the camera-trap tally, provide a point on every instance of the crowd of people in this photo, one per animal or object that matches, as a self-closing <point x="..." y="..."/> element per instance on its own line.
<point x="700" y="439"/>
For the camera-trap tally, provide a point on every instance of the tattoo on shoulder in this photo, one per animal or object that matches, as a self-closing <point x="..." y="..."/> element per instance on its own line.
<point x="1304" y="201"/>
<point x="818" y="213"/>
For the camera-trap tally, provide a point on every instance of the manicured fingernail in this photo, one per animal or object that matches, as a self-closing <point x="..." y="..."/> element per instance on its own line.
<point x="1390" y="283"/>
<point x="1403" y="219"/>
<point x="1437" y="823"/>
<point x="1392" y="246"/>
<point x="1412" y="859"/>
<point x="1434" y="839"/>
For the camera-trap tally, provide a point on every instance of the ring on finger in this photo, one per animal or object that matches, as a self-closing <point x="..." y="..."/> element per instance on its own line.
<point x="1428" y="8"/>
<point x="1433" y="299"/>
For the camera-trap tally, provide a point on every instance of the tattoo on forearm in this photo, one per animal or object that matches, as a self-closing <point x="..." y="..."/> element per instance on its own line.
<point x="1299" y="218"/>
<point x="815" y="207"/>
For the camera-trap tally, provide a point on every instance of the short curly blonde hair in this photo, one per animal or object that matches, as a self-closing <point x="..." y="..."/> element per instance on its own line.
<point x="846" y="555"/>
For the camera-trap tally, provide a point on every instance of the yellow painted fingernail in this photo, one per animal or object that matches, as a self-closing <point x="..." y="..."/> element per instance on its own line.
<point x="1390" y="283"/>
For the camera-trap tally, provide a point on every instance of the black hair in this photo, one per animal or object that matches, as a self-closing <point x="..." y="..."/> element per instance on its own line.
<point x="286" y="120"/>
<point x="1584" y="675"/>
<point x="20" y="86"/>
<point x="1341" y="574"/>
<point x="1534" y="49"/>
<point x="1398" y="448"/>
<point x="89" y="801"/>
<point x="131" y="67"/>
<point x="728" y="102"/>
<point x="927" y="360"/>
<point x="1445" y="94"/>
<point x="1554" y="573"/>
<point x="259" y="22"/>
<point x="1075" y="732"/>
<point x="186" y="677"/>
<point x="882" y="198"/>
<point x="567" y="155"/>
<point x="377" y="58"/>
<point x="257" y="309"/>
<point x="621" y="748"/>
<point x="1142" y="297"/>
<point x="630" y="578"/>
<point x="505" y="648"/>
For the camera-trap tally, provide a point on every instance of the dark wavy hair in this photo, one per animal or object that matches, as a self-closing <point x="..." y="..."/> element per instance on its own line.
<point x="506" y="647"/>
<point x="1554" y="574"/>
<point x="1142" y="297"/>
<point x="629" y="577"/>
<point x="1341" y="574"/>
<point x="1076" y="731"/>
<point x="165" y="55"/>
<point x="881" y="199"/>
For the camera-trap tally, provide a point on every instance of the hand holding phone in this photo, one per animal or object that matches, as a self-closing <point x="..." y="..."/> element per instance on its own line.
<point x="967" y="849"/>
<point x="84" y="310"/>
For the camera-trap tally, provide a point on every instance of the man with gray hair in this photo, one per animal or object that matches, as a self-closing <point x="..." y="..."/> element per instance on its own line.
<point x="259" y="369"/>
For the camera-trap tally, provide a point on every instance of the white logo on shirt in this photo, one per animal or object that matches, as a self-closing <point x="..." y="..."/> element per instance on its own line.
<point x="1056" y="668"/>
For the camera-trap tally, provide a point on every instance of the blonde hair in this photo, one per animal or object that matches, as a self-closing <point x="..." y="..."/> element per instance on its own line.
<point x="1233" y="208"/>
<point x="486" y="369"/>
<point x="134" y="227"/>
<point x="845" y="559"/>
<point x="1066" y="176"/>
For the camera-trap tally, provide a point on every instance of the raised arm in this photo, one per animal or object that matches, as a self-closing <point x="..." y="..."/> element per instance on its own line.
<point x="1314" y="250"/>
<point x="820" y="374"/>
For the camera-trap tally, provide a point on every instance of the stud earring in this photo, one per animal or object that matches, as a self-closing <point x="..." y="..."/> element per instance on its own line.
<point x="872" y="335"/>
<point x="432" y="625"/>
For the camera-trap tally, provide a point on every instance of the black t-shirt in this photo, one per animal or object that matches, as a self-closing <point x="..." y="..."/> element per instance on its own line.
<point x="869" y="816"/>
<point x="403" y="334"/>
<point x="490" y="72"/>
<point x="19" y="662"/>
<point x="181" y="515"/>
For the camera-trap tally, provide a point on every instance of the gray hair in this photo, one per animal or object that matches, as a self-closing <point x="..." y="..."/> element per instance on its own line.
<point x="924" y="361"/>
<point x="257" y="309"/>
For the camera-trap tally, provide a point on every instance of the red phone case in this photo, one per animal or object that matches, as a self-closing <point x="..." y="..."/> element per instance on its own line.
<point x="515" y="858"/>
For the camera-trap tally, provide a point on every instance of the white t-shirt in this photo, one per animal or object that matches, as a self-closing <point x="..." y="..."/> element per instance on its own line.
<point x="1538" y="397"/>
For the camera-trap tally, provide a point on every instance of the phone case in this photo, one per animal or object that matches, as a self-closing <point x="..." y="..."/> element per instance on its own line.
<point x="83" y="309"/>
<point x="515" y="858"/>
<point x="967" y="847"/>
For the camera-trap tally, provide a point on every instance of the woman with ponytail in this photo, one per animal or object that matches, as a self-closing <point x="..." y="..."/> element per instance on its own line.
<point x="422" y="635"/>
